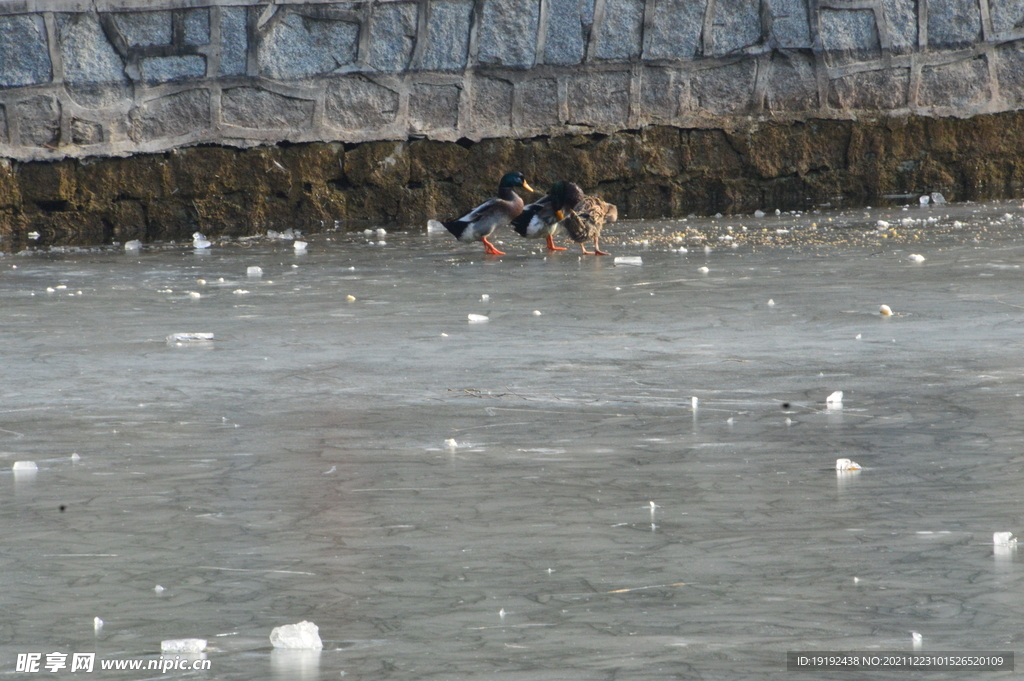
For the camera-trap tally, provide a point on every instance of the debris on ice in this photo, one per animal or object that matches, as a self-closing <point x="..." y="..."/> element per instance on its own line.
<point x="693" y="403"/>
<point x="632" y="260"/>
<point x="254" y="271"/>
<point x="1003" y="539"/>
<point x="435" y="226"/>
<point x="300" y="246"/>
<point x="133" y="245"/>
<point x="75" y="458"/>
<point x="703" y="270"/>
<point x="758" y="213"/>
<point x="350" y="298"/>
<point x="847" y="465"/>
<point x="381" y="231"/>
<point x="195" y="294"/>
<point x="915" y="257"/>
<point x="925" y="200"/>
<point x="97" y="624"/>
<point x="159" y="589"/>
<point x="200" y="241"/>
<point x="771" y="302"/>
<point x="885" y="311"/>
<point x="834" y="400"/>
<point x="938" y="198"/>
<point x="916" y="640"/>
<point x="25" y="466"/>
<point x="304" y="635"/>
<point x="189" y="337"/>
<point x="477" y="317"/>
<point x="239" y="291"/>
<point x="183" y="645"/>
<point x="450" y="443"/>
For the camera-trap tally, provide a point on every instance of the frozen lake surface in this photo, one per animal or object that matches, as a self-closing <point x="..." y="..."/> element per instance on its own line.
<point x="589" y="523"/>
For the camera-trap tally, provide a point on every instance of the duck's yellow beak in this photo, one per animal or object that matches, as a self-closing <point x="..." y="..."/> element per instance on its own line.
<point x="528" y="188"/>
<point x="558" y="214"/>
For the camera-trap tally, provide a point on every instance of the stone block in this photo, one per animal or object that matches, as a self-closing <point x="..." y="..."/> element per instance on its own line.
<point x="790" y="23"/>
<point x="708" y="153"/>
<point x="448" y="31"/>
<point x="962" y="84"/>
<point x="433" y="107"/>
<point x="901" y="17"/>
<point x="38" y="121"/>
<point x="849" y="35"/>
<point x="357" y="103"/>
<point x="4" y="135"/>
<point x="142" y="177"/>
<point x="620" y="34"/>
<point x="430" y="160"/>
<point x="234" y="41"/>
<point x="737" y="24"/>
<point x="85" y="132"/>
<point x="1010" y="70"/>
<point x="48" y="185"/>
<point x="393" y="36"/>
<point x="378" y="164"/>
<point x="564" y="45"/>
<point x="25" y="56"/>
<point x="661" y="151"/>
<point x="954" y="23"/>
<point x="539" y="102"/>
<point x="171" y="116"/>
<point x="250" y="107"/>
<point x="508" y="33"/>
<point x="1006" y="15"/>
<point x="599" y="99"/>
<point x="663" y="94"/>
<point x="144" y="28"/>
<point x="156" y="70"/>
<point x="93" y="72"/>
<point x="492" y="105"/>
<point x="724" y="90"/>
<point x="197" y="26"/>
<point x="792" y="85"/>
<point x="870" y="90"/>
<point x="675" y="31"/>
<point x="295" y="46"/>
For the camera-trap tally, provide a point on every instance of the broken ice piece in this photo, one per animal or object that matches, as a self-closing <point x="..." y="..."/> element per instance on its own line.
<point x="304" y="635"/>
<point x="771" y="302"/>
<point x="703" y="270"/>
<point x="300" y="246"/>
<point x="885" y="311"/>
<point x="434" y="226"/>
<point x="847" y="465"/>
<point x="183" y="645"/>
<point x="381" y="231"/>
<point x="1003" y="538"/>
<point x="835" y="399"/>
<point x="758" y="213"/>
<point x="537" y="313"/>
<point x="189" y="337"/>
<point x="254" y="271"/>
<point x="693" y="403"/>
<point x="938" y="198"/>
<point x="158" y="589"/>
<point x="200" y="241"/>
<point x="485" y="297"/>
<point x="133" y="245"/>
<point x="239" y="291"/>
<point x="450" y="443"/>
<point x="350" y="298"/>
<point x="75" y="458"/>
<point x="25" y="466"/>
<point x="477" y="318"/>
<point x="915" y="257"/>
<point x="97" y="624"/>
<point x="195" y="294"/>
<point x="629" y="260"/>
<point x="925" y="200"/>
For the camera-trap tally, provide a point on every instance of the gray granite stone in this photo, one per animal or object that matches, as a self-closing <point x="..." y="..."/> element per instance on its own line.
<point x="564" y="45"/>
<point x="157" y="70"/>
<point x="724" y="90"/>
<point x="961" y="85"/>
<point x="791" y="83"/>
<point x="4" y="136"/>
<point x="790" y="23"/>
<point x="250" y="107"/>
<point x="737" y="24"/>
<point x="508" y="33"/>
<point x="539" y="98"/>
<point x="175" y="115"/>
<point x="85" y="132"/>
<point x="144" y="28"/>
<point x="620" y="33"/>
<point x="901" y="16"/>
<point x="38" y="121"/>
<point x="24" y="57"/>
<point x="197" y="27"/>
<point x="849" y="35"/>
<point x="234" y="42"/>
<point x="870" y="90"/>
<point x="492" y="104"/>
<point x="393" y="36"/>
<point x="94" y="75"/>
<point x="599" y="99"/>
<point x="675" y="31"/>
<point x="1006" y="15"/>
<point x="300" y="47"/>
<point x="356" y="103"/>
<point x="434" y="107"/>
<point x="1010" y="71"/>
<point x="663" y="94"/>
<point x="448" y="28"/>
<point x="953" y="23"/>
<point x="587" y="12"/>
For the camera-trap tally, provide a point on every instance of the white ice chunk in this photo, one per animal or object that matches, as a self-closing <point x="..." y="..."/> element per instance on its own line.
<point x="195" y="294"/>
<point x="693" y="403"/>
<point x="915" y="257"/>
<point x="450" y="443"/>
<point x="239" y="291"/>
<point x="75" y="458"/>
<point x="885" y="311"/>
<point x="847" y="465"/>
<point x="938" y="198"/>
<point x="381" y="231"/>
<point x="631" y="260"/>
<point x="350" y="298"/>
<point x="485" y="297"/>
<point x="882" y="224"/>
<point x="537" y="313"/>
<point x="703" y="270"/>
<point x="199" y="240"/>
<point x="254" y="271"/>
<point x="300" y="246"/>
<point x="304" y="635"/>
<point x="925" y="200"/>
<point x="133" y="245"/>
<point x="771" y="302"/>
<point x="477" y="317"/>
<point x="758" y="213"/>
<point x="189" y="337"/>
<point x="158" y="589"/>
<point x="434" y="226"/>
<point x="707" y="249"/>
<point x="183" y="645"/>
<point x="835" y="398"/>
<point x="1003" y="538"/>
<point x="97" y="624"/>
<point x="25" y="466"/>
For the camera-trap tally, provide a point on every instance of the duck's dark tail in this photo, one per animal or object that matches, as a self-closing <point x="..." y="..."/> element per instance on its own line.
<point x="456" y="227"/>
<point x="522" y="222"/>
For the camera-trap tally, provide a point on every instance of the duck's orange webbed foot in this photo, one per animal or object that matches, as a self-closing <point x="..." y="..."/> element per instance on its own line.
<point x="552" y="246"/>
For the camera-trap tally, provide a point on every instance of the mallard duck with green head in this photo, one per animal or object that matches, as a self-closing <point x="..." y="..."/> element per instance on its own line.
<point x="481" y="222"/>
<point x="584" y="221"/>
<point x="542" y="218"/>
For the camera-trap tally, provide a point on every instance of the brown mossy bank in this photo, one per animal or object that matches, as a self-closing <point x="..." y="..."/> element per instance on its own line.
<point x="650" y="173"/>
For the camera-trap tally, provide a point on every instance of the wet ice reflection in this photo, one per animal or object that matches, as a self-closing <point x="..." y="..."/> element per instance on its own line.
<point x="538" y="496"/>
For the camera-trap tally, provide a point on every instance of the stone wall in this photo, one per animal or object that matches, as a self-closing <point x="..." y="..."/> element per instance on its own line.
<point x="82" y="78"/>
